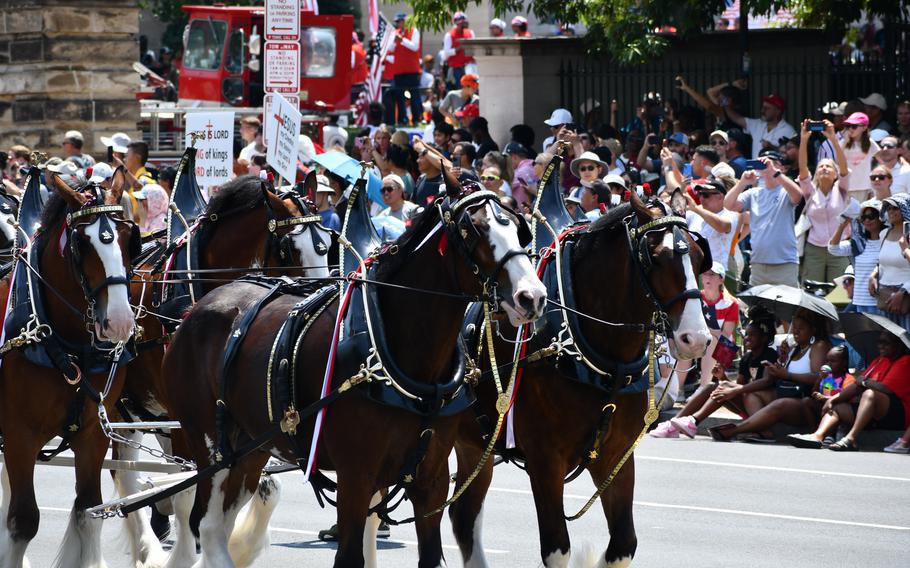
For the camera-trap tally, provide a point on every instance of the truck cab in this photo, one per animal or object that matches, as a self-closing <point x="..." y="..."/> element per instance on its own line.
<point x="222" y="63"/>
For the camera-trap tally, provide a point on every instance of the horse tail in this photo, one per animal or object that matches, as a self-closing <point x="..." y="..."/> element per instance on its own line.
<point x="251" y="531"/>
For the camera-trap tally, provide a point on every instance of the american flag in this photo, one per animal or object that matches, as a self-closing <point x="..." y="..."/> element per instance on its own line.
<point x="373" y="7"/>
<point x="385" y="39"/>
<point x="311" y="6"/>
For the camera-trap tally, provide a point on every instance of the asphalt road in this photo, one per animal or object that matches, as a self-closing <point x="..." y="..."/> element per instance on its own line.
<point x="698" y="503"/>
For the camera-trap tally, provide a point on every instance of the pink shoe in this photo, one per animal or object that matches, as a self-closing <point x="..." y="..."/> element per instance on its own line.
<point x="685" y="425"/>
<point x="664" y="430"/>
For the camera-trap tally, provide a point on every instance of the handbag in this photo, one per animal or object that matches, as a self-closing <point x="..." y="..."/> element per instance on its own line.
<point x="884" y="294"/>
<point x="787" y="388"/>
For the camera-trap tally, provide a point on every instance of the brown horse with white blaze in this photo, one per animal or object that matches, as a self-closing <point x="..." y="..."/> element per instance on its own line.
<point x="82" y="253"/>
<point x="585" y="406"/>
<point x="452" y="246"/>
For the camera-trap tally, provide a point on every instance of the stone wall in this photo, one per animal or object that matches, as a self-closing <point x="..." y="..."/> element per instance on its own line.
<point x="66" y="64"/>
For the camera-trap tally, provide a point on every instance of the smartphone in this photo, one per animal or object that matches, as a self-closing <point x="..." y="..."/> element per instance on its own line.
<point x="906" y="228"/>
<point x="755" y="165"/>
<point x="110" y="154"/>
<point x="816" y="126"/>
<point x="652" y="139"/>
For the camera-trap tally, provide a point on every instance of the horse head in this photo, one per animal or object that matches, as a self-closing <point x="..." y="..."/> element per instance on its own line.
<point x="494" y="240"/>
<point x="670" y="258"/>
<point x="303" y="240"/>
<point x="100" y="243"/>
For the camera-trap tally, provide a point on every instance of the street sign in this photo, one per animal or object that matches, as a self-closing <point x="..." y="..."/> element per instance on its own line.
<point x="282" y="67"/>
<point x="268" y="112"/>
<point x="281" y="153"/>
<point x="282" y="20"/>
<point x="215" y="149"/>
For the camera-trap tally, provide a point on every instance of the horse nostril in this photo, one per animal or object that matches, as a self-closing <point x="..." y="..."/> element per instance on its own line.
<point x="526" y="301"/>
<point x="685" y="339"/>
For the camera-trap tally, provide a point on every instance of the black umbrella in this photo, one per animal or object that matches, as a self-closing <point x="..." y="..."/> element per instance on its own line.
<point x="783" y="301"/>
<point x="863" y="331"/>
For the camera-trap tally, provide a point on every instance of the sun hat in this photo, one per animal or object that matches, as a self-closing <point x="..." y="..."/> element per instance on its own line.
<point x="322" y="184"/>
<point x="858" y="118"/>
<point x="559" y="117"/>
<point x="100" y="172"/>
<point x="586" y="157"/>
<point x="876" y="100"/>
<point x="848" y="273"/>
<point x="118" y="142"/>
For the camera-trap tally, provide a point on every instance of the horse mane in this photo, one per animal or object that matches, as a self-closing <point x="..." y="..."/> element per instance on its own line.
<point x="612" y="219"/>
<point x="408" y="241"/>
<point x="241" y="192"/>
<point x="54" y="212"/>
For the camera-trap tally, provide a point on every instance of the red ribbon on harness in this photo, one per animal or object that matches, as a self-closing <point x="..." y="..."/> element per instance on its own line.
<point x="443" y="243"/>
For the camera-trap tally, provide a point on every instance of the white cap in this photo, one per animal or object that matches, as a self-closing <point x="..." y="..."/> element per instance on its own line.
<point x="613" y="178"/>
<point x="497" y="23"/>
<point x="876" y="100"/>
<point x="65" y="167"/>
<point x="878" y="134"/>
<point x="306" y="151"/>
<point x="100" y="172"/>
<point x="73" y="135"/>
<point x="560" y="116"/>
<point x="723" y="169"/>
<point x="718" y="268"/>
<point x="575" y="196"/>
<point x="721" y="134"/>
<point x="848" y="273"/>
<point x="394" y="178"/>
<point x="834" y="108"/>
<point x="118" y="142"/>
<point x="322" y="184"/>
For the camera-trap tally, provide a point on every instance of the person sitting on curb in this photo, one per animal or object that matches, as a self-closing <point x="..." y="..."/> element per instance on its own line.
<point x="735" y="396"/>
<point x="796" y="379"/>
<point x="901" y="445"/>
<point x="884" y="400"/>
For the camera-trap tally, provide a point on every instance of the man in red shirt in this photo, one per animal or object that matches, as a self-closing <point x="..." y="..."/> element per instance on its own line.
<point x="404" y="57"/>
<point x="451" y="46"/>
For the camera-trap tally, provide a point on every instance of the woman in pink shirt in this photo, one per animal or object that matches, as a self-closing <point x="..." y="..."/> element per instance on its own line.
<point x="824" y="204"/>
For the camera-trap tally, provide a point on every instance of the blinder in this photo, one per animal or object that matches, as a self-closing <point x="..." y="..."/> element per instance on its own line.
<point x="706" y="259"/>
<point x="135" y="242"/>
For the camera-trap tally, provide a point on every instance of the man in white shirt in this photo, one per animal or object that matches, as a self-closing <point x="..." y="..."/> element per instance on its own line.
<point x="900" y="170"/>
<point x="711" y="220"/>
<point x="251" y="132"/>
<point x="768" y="130"/>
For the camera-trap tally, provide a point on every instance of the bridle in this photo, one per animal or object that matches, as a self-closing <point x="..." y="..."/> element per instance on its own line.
<point x="456" y="216"/>
<point x="311" y="223"/>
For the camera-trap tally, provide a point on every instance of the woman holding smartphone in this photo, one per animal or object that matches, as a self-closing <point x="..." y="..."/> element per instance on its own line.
<point x="890" y="281"/>
<point x="859" y="150"/>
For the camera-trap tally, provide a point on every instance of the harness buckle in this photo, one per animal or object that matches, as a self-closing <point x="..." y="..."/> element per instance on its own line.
<point x="290" y="421"/>
<point x="78" y="379"/>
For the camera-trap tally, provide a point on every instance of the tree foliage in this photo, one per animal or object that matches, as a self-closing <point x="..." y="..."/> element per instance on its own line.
<point x="625" y="28"/>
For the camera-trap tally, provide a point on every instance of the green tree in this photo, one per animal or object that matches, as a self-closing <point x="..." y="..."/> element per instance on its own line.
<point x="625" y="28"/>
<point x="170" y="12"/>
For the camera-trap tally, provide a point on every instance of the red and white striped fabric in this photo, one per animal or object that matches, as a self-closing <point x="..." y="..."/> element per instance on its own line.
<point x="373" y="7"/>
<point x="310" y="6"/>
<point x="373" y="84"/>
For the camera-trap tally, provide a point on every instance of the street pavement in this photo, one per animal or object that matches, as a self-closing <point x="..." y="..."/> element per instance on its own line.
<point x="697" y="503"/>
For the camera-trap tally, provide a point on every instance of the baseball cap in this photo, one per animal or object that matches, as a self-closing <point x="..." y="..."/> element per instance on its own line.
<point x="858" y="118"/>
<point x="73" y="135"/>
<point x="574" y="196"/>
<point x="559" y="117"/>
<point x="680" y="138"/>
<point x="322" y="184"/>
<point x="770" y="153"/>
<point x="848" y="273"/>
<point x="101" y="171"/>
<point x="497" y="23"/>
<point x="871" y="204"/>
<point x="618" y="180"/>
<point x="723" y="169"/>
<point x="118" y="142"/>
<point x="400" y="16"/>
<point x="876" y="100"/>
<point x="775" y="100"/>
<point x="877" y="135"/>
<point x="469" y="80"/>
<point x="710" y="185"/>
<point x="719" y="134"/>
<point x="394" y="178"/>
<point x="515" y="148"/>
<point x="63" y="167"/>
<point x="468" y="110"/>
<point x="519" y="21"/>
<point x="834" y="108"/>
<point x="459" y="17"/>
<point x="718" y="268"/>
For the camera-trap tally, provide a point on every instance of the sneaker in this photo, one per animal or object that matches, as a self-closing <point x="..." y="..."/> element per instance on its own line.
<point x="664" y="430"/>
<point x="384" y="531"/>
<point x="686" y="425"/>
<point x="898" y="447"/>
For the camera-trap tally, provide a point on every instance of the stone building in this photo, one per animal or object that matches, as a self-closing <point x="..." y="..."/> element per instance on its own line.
<point x="66" y="64"/>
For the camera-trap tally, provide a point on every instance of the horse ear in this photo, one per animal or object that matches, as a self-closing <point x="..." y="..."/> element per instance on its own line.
<point x="453" y="187"/>
<point x="118" y="182"/>
<point x="72" y="197"/>
<point x="678" y="203"/>
<point x="309" y="186"/>
<point x="640" y="208"/>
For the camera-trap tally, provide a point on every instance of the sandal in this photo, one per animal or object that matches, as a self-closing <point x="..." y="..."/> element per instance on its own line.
<point x="806" y="441"/>
<point x="844" y="445"/>
<point x="717" y="432"/>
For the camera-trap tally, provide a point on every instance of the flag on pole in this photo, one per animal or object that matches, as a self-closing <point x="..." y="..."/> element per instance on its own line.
<point x="385" y="40"/>
<point x="373" y="7"/>
<point x="311" y="6"/>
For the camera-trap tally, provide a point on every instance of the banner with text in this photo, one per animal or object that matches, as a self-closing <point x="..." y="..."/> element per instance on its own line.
<point x="214" y="147"/>
<point x="281" y="153"/>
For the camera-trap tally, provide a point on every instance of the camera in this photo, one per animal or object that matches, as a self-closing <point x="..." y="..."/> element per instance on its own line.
<point x="816" y="126"/>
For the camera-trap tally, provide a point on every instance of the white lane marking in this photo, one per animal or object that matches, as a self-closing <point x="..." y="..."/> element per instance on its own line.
<point x="775" y="468"/>
<point x="725" y="511"/>
<point x="405" y="542"/>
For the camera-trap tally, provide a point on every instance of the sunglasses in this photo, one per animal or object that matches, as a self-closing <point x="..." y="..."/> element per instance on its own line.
<point x="869" y="217"/>
<point x="878" y="177"/>
<point x="489" y="178"/>
<point x="587" y="168"/>
<point x="387" y="189"/>
<point x="854" y="126"/>
<point x="718" y="142"/>
<point x="888" y="146"/>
